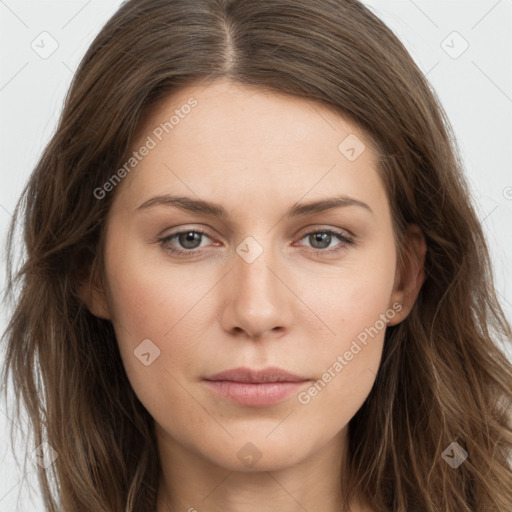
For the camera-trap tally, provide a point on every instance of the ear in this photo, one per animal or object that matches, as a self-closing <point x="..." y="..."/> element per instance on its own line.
<point x="410" y="274"/>
<point x="92" y="293"/>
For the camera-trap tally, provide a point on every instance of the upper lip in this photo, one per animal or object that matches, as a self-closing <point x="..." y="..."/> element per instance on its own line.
<point x="270" y="374"/>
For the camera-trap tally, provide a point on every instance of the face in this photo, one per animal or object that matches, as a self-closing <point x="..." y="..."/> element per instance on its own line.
<point x="258" y="281"/>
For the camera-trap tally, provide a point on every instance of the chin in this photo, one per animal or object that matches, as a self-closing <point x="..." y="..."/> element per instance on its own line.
<point x="253" y="454"/>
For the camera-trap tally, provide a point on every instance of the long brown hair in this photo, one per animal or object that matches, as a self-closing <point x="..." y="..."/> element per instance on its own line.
<point x="442" y="377"/>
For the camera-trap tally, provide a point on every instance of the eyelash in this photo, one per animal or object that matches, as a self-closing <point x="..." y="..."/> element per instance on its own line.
<point x="346" y="240"/>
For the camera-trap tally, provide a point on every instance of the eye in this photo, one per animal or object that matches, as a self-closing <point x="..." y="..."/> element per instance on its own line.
<point x="189" y="240"/>
<point x="321" y="240"/>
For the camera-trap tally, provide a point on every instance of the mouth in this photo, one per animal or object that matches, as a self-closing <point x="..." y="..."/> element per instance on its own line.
<point x="255" y="388"/>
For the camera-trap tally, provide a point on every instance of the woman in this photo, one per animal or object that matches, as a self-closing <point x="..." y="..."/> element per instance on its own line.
<point x="254" y="276"/>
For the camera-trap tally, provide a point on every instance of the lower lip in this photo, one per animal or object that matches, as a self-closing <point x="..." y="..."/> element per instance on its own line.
<point x="255" y="394"/>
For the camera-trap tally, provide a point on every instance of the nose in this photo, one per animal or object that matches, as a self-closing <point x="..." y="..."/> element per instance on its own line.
<point x="258" y="299"/>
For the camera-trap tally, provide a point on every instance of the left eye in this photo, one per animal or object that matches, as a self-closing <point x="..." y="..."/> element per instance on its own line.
<point x="191" y="239"/>
<point x="321" y="239"/>
<point x="188" y="239"/>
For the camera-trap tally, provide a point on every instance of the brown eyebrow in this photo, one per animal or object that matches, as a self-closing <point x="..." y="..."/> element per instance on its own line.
<point x="214" y="209"/>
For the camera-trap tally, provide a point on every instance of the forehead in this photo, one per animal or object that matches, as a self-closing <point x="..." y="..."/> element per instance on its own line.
<point x="228" y="139"/>
<point x="264" y="115"/>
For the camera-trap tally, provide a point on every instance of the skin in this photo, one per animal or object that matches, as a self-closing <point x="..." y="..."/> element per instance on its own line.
<point x="257" y="154"/>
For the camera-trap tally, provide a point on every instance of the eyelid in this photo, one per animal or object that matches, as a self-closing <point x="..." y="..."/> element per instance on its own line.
<point x="316" y="228"/>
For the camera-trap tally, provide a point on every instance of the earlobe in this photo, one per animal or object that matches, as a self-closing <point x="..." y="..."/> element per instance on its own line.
<point x="410" y="274"/>
<point x="92" y="293"/>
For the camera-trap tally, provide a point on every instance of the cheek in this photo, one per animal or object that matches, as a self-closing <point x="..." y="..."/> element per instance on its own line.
<point x="155" y="302"/>
<point x="355" y="307"/>
<point x="350" y="299"/>
<point x="346" y="364"/>
<point x="149" y="297"/>
<point x="148" y="307"/>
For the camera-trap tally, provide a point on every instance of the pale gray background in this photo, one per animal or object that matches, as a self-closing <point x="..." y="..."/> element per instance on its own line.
<point x="475" y="89"/>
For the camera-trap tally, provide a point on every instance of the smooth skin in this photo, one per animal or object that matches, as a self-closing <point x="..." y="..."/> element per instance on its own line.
<point x="296" y="306"/>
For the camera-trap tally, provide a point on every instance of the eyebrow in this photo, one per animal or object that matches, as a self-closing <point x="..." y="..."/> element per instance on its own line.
<point x="214" y="209"/>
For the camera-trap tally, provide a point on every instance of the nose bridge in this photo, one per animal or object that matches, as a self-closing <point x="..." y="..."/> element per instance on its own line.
<point x="257" y="301"/>
<point x="255" y="259"/>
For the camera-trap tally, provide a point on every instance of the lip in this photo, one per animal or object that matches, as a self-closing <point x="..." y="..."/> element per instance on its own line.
<point x="255" y="388"/>
<point x="265" y="375"/>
